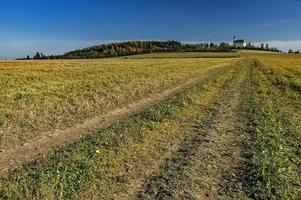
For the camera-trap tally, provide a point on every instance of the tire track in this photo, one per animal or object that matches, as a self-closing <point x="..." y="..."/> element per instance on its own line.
<point x="206" y="166"/>
<point x="16" y="157"/>
<point x="134" y="184"/>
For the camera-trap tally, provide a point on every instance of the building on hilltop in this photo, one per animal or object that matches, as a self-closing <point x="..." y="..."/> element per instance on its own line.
<point x="243" y="44"/>
<point x="239" y="43"/>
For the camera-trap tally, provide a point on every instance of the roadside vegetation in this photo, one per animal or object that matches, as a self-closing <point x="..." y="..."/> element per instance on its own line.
<point x="272" y="115"/>
<point x="274" y="124"/>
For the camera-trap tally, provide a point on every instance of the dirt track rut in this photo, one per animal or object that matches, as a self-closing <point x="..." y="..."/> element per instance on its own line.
<point x="207" y="166"/>
<point x="14" y="158"/>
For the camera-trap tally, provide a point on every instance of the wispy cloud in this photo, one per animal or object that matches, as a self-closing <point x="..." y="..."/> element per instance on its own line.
<point x="265" y="25"/>
<point x="282" y="44"/>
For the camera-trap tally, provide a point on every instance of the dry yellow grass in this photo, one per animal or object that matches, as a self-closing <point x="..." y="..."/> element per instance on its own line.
<point x="287" y="68"/>
<point x="39" y="96"/>
<point x="185" y="146"/>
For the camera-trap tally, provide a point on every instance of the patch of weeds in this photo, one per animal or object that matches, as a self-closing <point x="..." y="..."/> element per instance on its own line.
<point x="274" y="167"/>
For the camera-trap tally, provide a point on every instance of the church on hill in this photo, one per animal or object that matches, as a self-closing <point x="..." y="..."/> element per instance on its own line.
<point x="239" y="43"/>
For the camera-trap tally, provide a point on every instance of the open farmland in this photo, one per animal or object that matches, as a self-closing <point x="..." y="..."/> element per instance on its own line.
<point x="44" y="95"/>
<point x="182" y="127"/>
<point x="187" y="55"/>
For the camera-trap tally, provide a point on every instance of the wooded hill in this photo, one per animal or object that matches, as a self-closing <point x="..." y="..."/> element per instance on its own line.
<point x="135" y="47"/>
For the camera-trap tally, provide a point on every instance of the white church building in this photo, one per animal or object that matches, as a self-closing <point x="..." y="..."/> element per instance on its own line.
<point x="239" y="43"/>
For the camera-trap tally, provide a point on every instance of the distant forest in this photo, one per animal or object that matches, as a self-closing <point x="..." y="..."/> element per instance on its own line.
<point x="135" y="47"/>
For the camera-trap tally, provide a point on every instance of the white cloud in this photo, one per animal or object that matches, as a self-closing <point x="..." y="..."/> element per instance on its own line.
<point x="282" y="44"/>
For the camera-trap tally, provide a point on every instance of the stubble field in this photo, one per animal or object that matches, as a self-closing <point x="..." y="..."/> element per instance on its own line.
<point x="187" y="127"/>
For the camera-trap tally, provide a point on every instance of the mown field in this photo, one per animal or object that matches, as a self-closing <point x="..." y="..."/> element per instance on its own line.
<point x="38" y="96"/>
<point x="233" y="133"/>
<point x="186" y="55"/>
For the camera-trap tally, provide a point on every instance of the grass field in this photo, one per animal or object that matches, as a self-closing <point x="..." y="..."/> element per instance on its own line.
<point x="260" y="52"/>
<point x="186" y="55"/>
<point x="44" y="95"/>
<point x="233" y="132"/>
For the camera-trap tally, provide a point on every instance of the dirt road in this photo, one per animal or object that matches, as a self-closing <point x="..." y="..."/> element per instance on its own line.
<point x="14" y="158"/>
<point x="207" y="165"/>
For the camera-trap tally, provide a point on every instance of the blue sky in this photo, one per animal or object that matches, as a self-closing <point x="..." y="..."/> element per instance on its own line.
<point x="56" y="26"/>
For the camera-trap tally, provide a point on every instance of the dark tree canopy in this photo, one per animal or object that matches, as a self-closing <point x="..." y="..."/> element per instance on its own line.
<point x="37" y="56"/>
<point x="138" y="47"/>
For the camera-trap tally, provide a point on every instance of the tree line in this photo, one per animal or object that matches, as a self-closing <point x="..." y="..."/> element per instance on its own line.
<point x="292" y="51"/>
<point x="133" y="48"/>
<point x="143" y="47"/>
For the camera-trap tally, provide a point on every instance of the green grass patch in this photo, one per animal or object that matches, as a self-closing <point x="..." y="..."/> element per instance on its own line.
<point x="185" y="55"/>
<point x="274" y="167"/>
